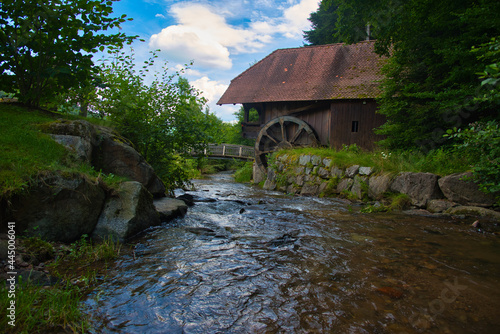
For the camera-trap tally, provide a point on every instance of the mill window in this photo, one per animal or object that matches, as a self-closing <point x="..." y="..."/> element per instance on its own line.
<point x="355" y="126"/>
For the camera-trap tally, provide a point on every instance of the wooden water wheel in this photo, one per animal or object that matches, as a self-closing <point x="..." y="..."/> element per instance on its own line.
<point x="281" y="133"/>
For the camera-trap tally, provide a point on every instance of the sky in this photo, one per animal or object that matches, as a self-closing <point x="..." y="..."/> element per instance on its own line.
<point x="222" y="37"/>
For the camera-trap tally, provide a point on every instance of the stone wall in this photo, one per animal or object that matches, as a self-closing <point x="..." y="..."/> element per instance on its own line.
<point x="311" y="175"/>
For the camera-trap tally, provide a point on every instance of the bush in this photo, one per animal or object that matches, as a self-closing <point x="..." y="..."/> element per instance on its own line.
<point x="245" y="173"/>
<point x="481" y="141"/>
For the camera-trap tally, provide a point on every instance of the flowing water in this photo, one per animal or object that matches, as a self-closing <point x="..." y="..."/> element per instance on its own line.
<point x="247" y="260"/>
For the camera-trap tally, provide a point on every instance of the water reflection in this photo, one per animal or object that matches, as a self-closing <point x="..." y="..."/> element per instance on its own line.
<point x="263" y="262"/>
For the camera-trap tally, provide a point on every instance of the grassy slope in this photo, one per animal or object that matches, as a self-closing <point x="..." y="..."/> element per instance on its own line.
<point x="25" y="151"/>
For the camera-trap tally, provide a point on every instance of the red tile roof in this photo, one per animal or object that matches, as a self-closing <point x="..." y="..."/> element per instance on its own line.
<point x="324" y="72"/>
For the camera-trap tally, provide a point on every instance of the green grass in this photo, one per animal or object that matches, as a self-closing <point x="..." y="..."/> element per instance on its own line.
<point x="441" y="162"/>
<point x="25" y="150"/>
<point x="44" y="310"/>
<point x="57" y="309"/>
<point x="245" y="173"/>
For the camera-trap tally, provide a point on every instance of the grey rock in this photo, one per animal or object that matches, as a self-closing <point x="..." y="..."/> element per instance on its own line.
<point x="300" y="170"/>
<point x="420" y="187"/>
<point x="309" y="189"/>
<point x="358" y="186"/>
<point x="352" y="171"/>
<point x="327" y="162"/>
<point x="283" y="158"/>
<point x="304" y="160"/>
<point x="119" y="158"/>
<point x="439" y="205"/>
<point x="365" y="171"/>
<point x="291" y="189"/>
<point x="59" y="207"/>
<point x="258" y="175"/>
<point x="345" y="185"/>
<point x="316" y="160"/>
<point x="300" y="180"/>
<point x="465" y="192"/>
<point x="336" y="172"/>
<point x="82" y="129"/>
<point x="270" y="183"/>
<point x="474" y="211"/>
<point x="129" y="212"/>
<point x="323" y="173"/>
<point x="170" y="208"/>
<point x="378" y="185"/>
<point x="322" y="187"/>
<point x="81" y="147"/>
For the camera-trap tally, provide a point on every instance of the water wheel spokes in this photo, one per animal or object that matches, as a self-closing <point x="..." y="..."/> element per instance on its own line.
<point x="274" y="136"/>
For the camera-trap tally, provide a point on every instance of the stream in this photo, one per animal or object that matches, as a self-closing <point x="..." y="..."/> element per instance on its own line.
<point x="246" y="260"/>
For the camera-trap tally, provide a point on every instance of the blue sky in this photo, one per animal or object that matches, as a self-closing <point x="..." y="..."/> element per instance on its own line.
<point x="222" y="37"/>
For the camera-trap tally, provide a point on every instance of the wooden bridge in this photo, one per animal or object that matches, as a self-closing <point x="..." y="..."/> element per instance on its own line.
<point x="229" y="151"/>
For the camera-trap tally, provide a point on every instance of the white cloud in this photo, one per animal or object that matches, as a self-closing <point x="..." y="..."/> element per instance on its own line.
<point x="293" y="22"/>
<point x="212" y="90"/>
<point x="205" y="37"/>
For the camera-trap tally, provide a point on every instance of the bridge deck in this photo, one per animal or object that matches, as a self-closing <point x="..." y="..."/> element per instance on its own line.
<point x="230" y="151"/>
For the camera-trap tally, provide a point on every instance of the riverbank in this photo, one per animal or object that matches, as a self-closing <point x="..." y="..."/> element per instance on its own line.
<point x="380" y="190"/>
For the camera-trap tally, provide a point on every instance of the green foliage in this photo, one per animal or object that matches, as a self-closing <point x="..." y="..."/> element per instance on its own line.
<point x="324" y="25"/>
<point x="490" y="53"/>
<point x="430" y="80"/>
<point x="46" y="46"/>
<point x="164" y="119"/>
<point x="245" y="173"/>
<point x="399" y="202"/>
<point x="481" y="142"/>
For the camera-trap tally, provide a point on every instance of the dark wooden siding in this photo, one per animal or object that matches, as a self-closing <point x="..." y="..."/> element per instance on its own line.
<point x="331" y="120"/>
<point x="316" y="114"/>
<point x="344" y="113"/>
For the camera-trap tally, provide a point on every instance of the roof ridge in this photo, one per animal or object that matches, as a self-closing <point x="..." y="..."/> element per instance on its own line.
<point x="372" y="41"/>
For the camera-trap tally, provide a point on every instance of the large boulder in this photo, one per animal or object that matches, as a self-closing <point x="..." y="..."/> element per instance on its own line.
<point x="169" y="208"/>
<point x="105" y="150"/>
<point x="420" y="187"/>
<point x="378" y="185"/>
<point x="118" y="157"/>
<point x="458" y="188"/>
<point x="81" y="129"/>
<point x="77" y="136"/>
<point x="81" y="147"/>
<point x="127" y="213"/>
<point x="59" y="208"/>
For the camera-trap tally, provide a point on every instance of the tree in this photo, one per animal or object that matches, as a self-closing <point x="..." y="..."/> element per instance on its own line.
<point x="164" y="119"/>
<point x="46" y="46"/>
<point x="324" y="26"/>
<point x="430" y="79"/>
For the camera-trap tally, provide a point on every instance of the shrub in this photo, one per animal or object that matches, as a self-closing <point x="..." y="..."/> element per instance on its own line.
<point x="481" y="141"/>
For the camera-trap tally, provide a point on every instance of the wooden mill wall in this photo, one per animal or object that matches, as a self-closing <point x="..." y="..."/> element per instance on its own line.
<point x="344" y="130"/>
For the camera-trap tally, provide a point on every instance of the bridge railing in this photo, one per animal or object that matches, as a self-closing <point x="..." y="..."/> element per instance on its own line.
<point x="228" y="151"/>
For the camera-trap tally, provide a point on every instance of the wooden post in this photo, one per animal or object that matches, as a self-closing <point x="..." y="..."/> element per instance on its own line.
<point x="241" y="149"/>
<point x="223" y="150"/>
